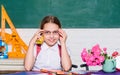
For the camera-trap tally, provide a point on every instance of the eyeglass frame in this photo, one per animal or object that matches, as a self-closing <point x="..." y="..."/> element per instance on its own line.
<point x="46" y="32"/>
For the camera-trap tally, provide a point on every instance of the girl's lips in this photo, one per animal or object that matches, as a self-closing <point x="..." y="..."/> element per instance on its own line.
<point x="51" y="40"/>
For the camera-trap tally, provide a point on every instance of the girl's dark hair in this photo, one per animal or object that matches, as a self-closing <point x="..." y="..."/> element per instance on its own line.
<point x="50" y="19"/>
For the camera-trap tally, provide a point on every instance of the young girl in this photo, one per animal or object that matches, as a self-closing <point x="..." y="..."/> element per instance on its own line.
<point x="49" y="56"/>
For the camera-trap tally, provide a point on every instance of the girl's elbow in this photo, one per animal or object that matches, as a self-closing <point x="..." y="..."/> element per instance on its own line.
<point x="27" y="68"/>
<point x="67" y="68"/>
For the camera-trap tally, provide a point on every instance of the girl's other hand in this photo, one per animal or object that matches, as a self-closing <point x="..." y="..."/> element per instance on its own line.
<point x="63" y="36"/>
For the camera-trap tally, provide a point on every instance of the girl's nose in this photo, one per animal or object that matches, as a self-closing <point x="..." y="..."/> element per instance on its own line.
<point x="51" y="35"/>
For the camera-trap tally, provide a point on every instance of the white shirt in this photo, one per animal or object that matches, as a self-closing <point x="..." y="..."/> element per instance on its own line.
<point x="48" y="58"/>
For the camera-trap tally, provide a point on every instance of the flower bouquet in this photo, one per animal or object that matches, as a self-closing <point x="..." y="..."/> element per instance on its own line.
<point x="94" y="56"/>
<point x="98" y="56"/>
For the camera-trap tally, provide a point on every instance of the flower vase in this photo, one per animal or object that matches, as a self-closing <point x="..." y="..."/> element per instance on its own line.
<point x="109" y="65"/>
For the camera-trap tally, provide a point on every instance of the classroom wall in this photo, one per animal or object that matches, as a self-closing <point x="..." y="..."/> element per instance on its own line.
<point x="82" y="38"/>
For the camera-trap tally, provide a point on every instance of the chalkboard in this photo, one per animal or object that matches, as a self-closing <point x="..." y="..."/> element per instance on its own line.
<point x="72" y="13"/>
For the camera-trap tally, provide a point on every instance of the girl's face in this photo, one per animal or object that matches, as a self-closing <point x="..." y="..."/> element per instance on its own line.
<point x="51" y="34"/>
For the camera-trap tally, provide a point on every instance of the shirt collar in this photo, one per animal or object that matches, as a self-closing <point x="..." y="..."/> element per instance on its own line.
<point x="44" y="46"/>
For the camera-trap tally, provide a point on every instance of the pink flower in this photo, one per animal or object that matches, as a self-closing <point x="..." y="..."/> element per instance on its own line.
<point x="96" y="49"/>
<point x="91" y="58"/>
<point x="94" y="56"/>
<point x="94" y="64"/>
<point x="84" y="54"/>
<point x="98" y="61"/>
<point x="89" y="63"/>
<point x="104" y="49"/>
<point x="114" y="54"/>
<point x="101" y="58"/>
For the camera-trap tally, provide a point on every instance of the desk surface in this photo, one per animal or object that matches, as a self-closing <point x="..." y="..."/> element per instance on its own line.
<point x="39" y="73"/>
<point x="104" y="73"/>
<point x="29" y="73"/>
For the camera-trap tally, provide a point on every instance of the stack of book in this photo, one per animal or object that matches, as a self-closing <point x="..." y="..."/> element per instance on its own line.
<point x="12" y="64"/>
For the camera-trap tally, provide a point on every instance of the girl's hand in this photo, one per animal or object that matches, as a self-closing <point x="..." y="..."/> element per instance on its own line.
<point x="36" y="36"/>
<point x="63" y="36"/>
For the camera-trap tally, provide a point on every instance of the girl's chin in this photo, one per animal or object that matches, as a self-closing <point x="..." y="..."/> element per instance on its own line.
<point x="51" y="44"/>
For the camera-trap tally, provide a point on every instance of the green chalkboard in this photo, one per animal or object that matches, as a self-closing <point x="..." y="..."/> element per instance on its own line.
<point x="72" y="13"/>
